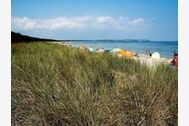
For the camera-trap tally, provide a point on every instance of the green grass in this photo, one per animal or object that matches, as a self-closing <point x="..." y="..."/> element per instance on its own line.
<point x="54" y="85"/>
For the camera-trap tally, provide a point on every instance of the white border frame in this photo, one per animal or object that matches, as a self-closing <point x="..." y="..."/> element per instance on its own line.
<point x="5" y="63"/>
<point x="183" y="73"/>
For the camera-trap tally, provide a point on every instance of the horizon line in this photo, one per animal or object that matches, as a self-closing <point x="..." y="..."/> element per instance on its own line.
<point x="104" y="39"/>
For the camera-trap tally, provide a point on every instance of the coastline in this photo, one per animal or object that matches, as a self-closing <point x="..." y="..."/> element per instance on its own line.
<point x="142" y="58"/>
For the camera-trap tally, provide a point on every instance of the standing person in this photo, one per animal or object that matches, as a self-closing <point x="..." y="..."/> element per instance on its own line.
<point x="174" y="62"/>
<point x="150" y="54"/>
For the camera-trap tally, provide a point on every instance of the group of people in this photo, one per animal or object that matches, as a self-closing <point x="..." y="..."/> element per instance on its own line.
<point x="125" y="53"/>
<point x="174" y="61"/>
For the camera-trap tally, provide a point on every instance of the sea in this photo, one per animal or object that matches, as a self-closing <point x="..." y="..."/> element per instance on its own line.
<point x="164" y="48"/>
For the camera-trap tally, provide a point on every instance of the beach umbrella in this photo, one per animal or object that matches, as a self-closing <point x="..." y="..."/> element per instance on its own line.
<point x="115" y="50"/>
<point x="91" y="49"/>
<point x="155" y="55"/>
<point x="125" y="53"/>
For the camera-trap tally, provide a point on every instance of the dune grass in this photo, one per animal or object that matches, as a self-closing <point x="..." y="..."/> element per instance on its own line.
<point x="56" y="85"/>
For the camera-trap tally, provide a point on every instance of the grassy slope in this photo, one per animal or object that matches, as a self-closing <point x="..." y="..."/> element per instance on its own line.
<point x="55" y="85"/>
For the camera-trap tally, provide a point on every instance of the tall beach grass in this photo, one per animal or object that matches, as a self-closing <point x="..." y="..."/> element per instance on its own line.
<point x="56" y="85"/>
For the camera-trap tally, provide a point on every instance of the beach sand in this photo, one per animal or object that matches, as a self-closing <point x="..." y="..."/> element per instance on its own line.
<point x="142" y="58"/>
<point x="152" y="62"/>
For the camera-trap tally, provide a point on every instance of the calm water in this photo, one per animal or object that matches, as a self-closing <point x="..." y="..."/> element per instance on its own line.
<point x="165" y="48"/>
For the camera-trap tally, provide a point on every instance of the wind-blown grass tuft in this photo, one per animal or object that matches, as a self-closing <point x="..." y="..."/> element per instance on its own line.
<point x="56" y="85"/>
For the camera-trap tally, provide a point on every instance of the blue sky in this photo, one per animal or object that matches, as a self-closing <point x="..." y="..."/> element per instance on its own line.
<point x="96" y="19"/>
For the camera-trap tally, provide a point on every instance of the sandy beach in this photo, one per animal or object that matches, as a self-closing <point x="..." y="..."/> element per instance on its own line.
<point x="142" y="58"/>
<point x="151" y="62"/>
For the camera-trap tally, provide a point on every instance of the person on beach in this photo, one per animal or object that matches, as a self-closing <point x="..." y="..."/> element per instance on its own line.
<point x="135" y="54"/>
<point x="107" y="51"/>
<point x="150" y="54"/>
<point x="174" y="62"/>
<point x="154" y="55"/>
<point x="82" y="46"/>
<point x="100" y="50"/>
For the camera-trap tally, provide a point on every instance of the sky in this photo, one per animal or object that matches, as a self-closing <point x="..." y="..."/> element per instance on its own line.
<point x="96" y="19"/>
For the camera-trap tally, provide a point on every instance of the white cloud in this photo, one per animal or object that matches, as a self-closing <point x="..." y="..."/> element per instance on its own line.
<point x="138" y="21"/>
<point x="78" y="23"/>
<point x="104" y="20"/>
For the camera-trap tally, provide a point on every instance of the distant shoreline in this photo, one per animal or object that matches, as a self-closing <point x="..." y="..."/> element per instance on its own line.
<point x="17" y="38"/>
<point x="141" y="47"/>
<point x="142" y="58"/>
